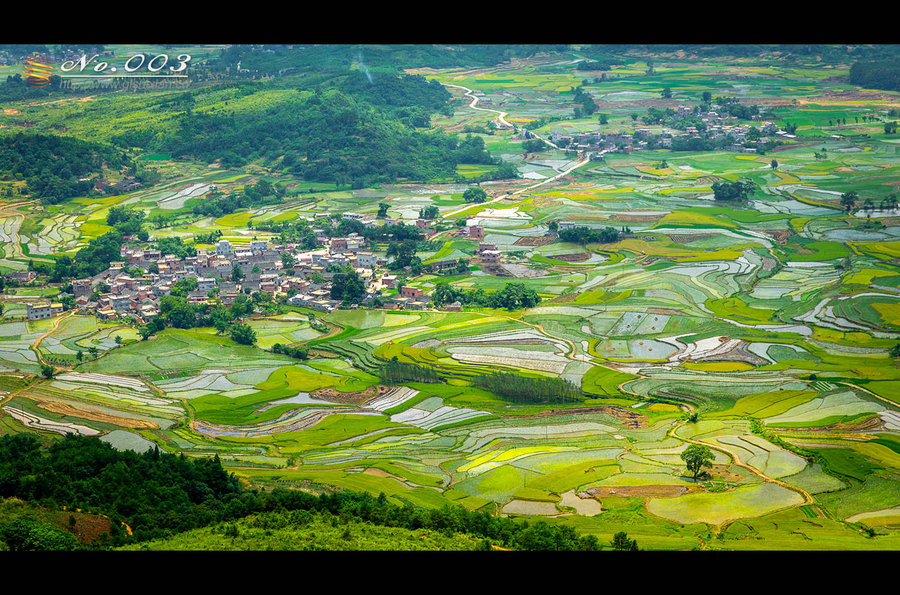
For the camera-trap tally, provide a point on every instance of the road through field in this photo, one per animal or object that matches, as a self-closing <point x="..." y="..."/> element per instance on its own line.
<point x="501" y="118"/>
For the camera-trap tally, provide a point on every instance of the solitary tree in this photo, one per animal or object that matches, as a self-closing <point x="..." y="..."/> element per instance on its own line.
<point x="696" y="457"/>
<point x="243" y="333"/>
<point x="774" y="164"/>
<point x="476" y="195"/>
<point x="47" y="371"/>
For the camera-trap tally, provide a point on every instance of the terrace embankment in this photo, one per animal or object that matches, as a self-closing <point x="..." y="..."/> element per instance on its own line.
<point x="629" y="419"/>
<point x="534" y="241"/>
<point x="646" y="491"/>
<point x="83" y="413"/>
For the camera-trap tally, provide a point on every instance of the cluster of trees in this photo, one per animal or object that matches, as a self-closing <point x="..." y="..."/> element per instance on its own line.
<point x="295" y="232"/>
<point x="281" y="60"/>
<point x="585" y="235"/>
<point x="175" y="311"/>
<point x="739" y="190"/>
<point x="429" y="212"/>
<point x="513" y="296"/>
<point x="586" y="105"/>
<point x="176" y="246"/>
<point x="411" y="99"/>
<point x="298" y="352"/>
<point x="323" y="135"/>
<point x="154" y="493"/>
<point x="733" y="107"/>
<point x="534" y="146"/>
<point x="158" y="494"/>
<point x="53" y="166"/>
<point x="395" y="372"/>
<point x="528" y="389"/>
<point x="348" y="286"/>
<point x="217" y="204"/>
<point x="87" y="262"/>
<point x="475" y="195"/>
<point x="127" y="221"/>
<point x="243" y="334"/>
<point x="601" y="64"/>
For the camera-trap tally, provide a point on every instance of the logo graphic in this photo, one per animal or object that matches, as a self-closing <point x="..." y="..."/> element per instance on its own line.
<point x="37" y="70"/>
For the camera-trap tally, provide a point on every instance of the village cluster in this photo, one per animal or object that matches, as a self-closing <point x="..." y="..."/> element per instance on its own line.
<point x="132" y="287"/>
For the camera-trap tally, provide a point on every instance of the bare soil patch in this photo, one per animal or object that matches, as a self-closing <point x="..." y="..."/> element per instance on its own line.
<point x="334" y="396"/>
<point x="66" y="409"/>
<point x="629" y="419"/>
<point x="571" y="257"/>
<point x="534" y="241"/>
<point x="779" y="235"/>
<point x="648" y="491"/>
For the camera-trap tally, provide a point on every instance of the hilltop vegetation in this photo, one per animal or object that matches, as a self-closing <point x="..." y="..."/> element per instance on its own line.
<point x="54" y="167"/>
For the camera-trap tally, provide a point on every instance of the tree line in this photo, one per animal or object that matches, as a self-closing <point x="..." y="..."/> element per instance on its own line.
<point x="513" y="296"/>
<point x="529" y="389"/>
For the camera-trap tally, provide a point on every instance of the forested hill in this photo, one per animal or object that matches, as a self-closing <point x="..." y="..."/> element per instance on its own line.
<point x="158" y="495"/>
<point x="877" y="75"/>
<point x="326" y="136"/>
<point x="253" y="61"/>
<point x="54" y="166"/>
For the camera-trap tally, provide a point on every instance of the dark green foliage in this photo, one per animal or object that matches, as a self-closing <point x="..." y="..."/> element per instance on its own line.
<point x="329" y="135"/>
<point x="217" y="204"/>
<point x="740" y="190"/>
<point x="621" y="543"/>
<point x="410" y="99"/>
<point x="876" y="75"/>
<point x="53" y="165"/>
<point x="527" y="389"/>
<point x="696" y="457"/>
<point x="154" y="493"/>
<point x="429" y="212"/>
<point x="534" y="146"/>
<point x="27" y="535"/>
<point x="126" y="221"/>
<point x="849" y="200"/>
<point x="176" y="246"/>
<point x="586" y="105"/>
<point x="158" y="494"/>
<point x="586" y="235"/>
<point x="397" y="372"/>
<point x="90" y="260"/>
<point x="476" y="195"/>
<point x="513" y="296"/>
<point x="348" y="286"/>
<point x="300" y="352"/>
<point x="243" y="334"/>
